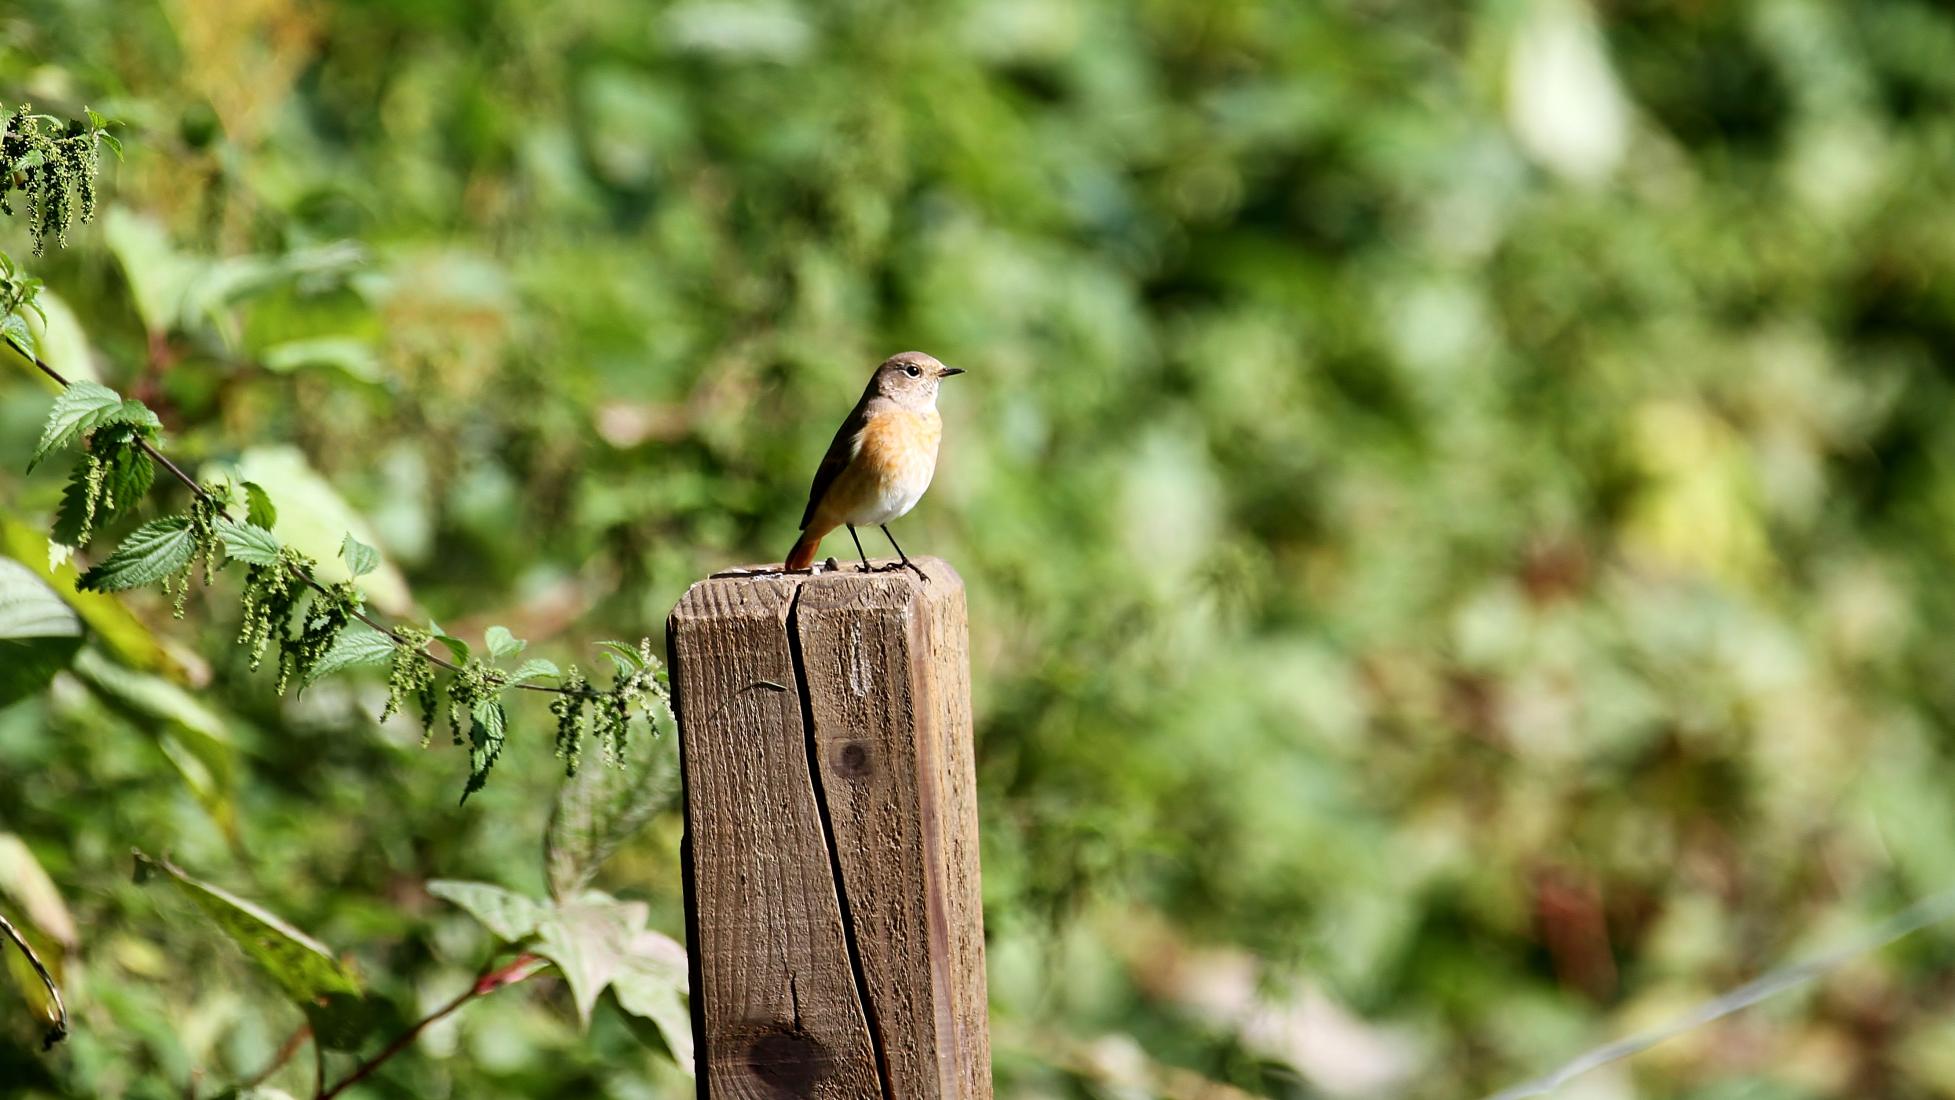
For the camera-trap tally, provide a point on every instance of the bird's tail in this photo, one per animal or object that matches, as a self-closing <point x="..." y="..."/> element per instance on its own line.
<point x="803" y="554"/>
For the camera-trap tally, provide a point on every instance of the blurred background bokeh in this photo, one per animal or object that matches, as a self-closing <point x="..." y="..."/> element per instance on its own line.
<point x="1458" y="503"/>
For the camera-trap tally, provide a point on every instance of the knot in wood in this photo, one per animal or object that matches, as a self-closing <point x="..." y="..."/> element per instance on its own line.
<point x="855" y="761"/>
<point x="788" y="1061"/>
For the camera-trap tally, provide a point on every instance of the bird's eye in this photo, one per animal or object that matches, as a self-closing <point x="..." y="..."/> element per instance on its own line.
<point x="912" y="370"/>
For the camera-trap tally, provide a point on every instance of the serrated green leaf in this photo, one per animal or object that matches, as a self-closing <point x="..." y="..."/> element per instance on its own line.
<point x="14" y="330"/>
<point x="457" y="648"/>
<point x="302" y="967"/>
<point x="151" y="552"/>
<point x="510" y="915"/>
<point x="247" y="542"/>
<point x="502" y="643"/>
<point x="259" y="510"/>
<point x="486" y="734"/>
<point x="77" y="410"/>
<point x="532" y="668"/>
<point x="135" y="414"/>
<point x="356" y="645"/>
<point x="599" y="809"/>
<point x="360" y="558"/>
<point x="39" y="633"/>
<point x="71" y="516"/>
<point x="625" y="655"/>
<point x="129" y="476"/>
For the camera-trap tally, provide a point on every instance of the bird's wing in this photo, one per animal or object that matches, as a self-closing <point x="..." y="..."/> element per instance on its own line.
<point x="840" y="452"/>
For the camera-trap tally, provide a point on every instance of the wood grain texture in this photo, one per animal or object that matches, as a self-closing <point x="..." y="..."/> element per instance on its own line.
<point x="774" y="992"/>
<point x="879" y="669"/>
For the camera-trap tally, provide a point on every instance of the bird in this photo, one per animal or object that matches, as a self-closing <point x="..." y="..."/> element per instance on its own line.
<point x="881" y="460"/>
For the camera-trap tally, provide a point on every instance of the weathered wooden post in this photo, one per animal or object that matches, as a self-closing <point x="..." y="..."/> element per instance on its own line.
<point x="833" y="912"/>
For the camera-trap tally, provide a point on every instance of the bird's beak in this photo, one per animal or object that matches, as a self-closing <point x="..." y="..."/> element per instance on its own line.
<point x="948" y="371"/>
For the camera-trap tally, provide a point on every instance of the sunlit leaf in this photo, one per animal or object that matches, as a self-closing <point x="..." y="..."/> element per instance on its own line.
<point x="78" y="409"/>
<point x="259" y="510"/>
<point x="356" y="645"/>
<point x="502" y="643"/>
<point x="247" y="542"/>
<point x="153" y="551"/>
<point x="533" y="668"/>
<point x="39" y="632"/>
<point x="25" y="883"/>
<point x="360" y="558"/>
<point x="510" y="915"/>
<point x="314" y="519"/>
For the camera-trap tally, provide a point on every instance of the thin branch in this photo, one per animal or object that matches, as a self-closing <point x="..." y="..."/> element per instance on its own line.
<point x="517" y="969"/>
<point x="192" y="484"/>
<point x="284" y="1055"/>
<point x="58" y="1030"/>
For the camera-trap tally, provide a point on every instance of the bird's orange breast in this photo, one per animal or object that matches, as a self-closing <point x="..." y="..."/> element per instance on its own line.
<point x="895" y="456"/>
<point x="898" y="440"/>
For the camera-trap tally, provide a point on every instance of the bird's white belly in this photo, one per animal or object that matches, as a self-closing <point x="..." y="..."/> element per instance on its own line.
<point x="890" y="497"/>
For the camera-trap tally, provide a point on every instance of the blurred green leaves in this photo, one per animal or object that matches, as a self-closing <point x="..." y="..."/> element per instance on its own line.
<point x="597" y="942"/>
<point x="300" y="966"/>
<point x="39" y="633"/>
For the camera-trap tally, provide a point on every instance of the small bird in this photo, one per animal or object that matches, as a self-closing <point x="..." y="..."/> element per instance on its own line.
<point x="881" y="460"/>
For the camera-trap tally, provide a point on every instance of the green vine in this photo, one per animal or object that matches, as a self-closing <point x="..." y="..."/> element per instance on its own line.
<point x="318" y="627"/>
<point x="54" y="164"/>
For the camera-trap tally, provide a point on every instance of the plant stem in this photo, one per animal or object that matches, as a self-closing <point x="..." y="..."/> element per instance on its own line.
<point x="517" y="969"/>
<point x="284" y="1055"/>
<point x="59" y="1029"/>
<point x="191" y="484"/>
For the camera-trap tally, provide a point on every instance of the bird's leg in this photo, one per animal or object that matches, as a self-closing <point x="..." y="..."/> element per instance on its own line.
<point x="906" y="563"/>
<point x="858" y="548"/>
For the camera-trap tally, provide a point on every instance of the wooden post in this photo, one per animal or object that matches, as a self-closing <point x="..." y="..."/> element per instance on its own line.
<point x="833" y="912"/>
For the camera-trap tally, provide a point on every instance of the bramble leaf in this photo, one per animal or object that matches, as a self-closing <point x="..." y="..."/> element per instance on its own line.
<point x="153" y="551"/>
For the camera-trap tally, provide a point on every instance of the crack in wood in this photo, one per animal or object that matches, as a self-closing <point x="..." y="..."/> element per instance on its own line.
<point x="834" y="850"/>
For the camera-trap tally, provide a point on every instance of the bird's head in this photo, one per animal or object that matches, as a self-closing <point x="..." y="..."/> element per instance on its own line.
<point x="910" y="379"/>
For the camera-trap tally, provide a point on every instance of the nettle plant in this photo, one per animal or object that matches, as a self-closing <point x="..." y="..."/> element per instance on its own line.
<point x="307" y="628"/>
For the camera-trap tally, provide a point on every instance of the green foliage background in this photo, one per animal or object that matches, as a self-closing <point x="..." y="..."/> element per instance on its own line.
<point x="1456" y="501"/>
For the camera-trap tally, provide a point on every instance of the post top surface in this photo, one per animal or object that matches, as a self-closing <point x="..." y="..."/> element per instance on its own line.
<point x="767" y="586"/>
